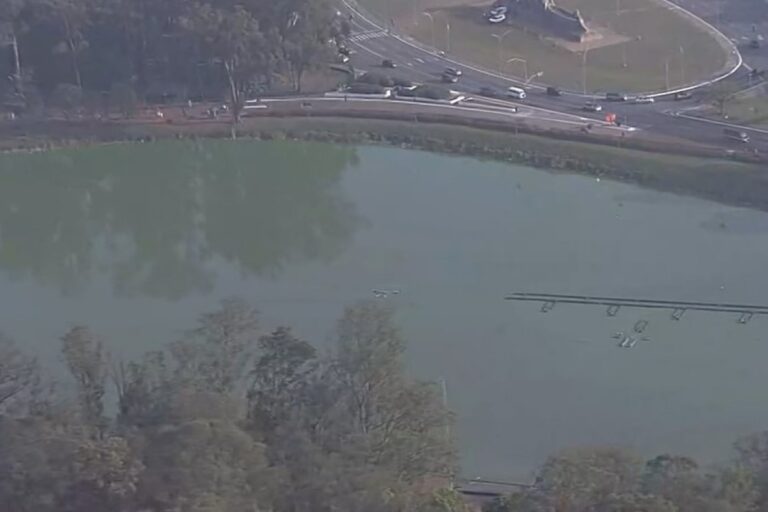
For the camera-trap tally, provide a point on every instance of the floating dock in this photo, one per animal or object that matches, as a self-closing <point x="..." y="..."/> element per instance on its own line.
<point x="613" y="304"/>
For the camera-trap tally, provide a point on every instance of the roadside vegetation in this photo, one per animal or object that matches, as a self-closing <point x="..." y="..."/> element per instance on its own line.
<point x="102" y="54"/>
<point x="232" y="417"/>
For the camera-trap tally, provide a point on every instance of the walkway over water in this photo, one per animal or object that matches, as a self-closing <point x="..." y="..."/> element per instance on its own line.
<point x="613" y="304"/>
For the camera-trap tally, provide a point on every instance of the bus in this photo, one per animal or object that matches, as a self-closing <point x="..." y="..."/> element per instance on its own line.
<point x="516" y="92"/>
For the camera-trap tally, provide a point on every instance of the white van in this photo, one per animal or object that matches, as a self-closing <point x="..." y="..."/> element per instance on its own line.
<point x="516" y="92"/>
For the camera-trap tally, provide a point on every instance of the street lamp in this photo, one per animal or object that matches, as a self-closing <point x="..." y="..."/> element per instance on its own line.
<point x="500" y="38"/>
<point x="447" y="37"/>
<point x="431" y="19"/>
<point x="682" y="64"/>
<point x="666" y="72"/>
<point x="525" y="65"/>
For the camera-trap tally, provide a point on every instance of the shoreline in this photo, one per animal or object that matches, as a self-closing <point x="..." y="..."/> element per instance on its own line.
<point x="726" y="181"/>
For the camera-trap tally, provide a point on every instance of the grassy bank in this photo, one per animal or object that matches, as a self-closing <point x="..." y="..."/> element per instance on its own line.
<point x="721" y="180"/>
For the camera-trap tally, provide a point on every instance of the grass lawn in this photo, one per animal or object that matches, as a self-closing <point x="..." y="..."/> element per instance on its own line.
<point x="655" y="36"/>
<point x="751" y="111"/>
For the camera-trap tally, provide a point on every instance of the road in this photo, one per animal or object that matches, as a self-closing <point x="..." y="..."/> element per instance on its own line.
<point x="371" y="44"/>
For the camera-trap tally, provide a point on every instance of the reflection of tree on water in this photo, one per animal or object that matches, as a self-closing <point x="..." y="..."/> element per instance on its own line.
<point x="156" y="217"/>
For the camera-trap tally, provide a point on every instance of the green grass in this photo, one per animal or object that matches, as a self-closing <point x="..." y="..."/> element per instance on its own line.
<point x="661" y="33"/>
<point x="751" y="111"/>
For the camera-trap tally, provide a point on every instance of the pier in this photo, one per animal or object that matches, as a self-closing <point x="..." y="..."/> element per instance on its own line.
<point x="613" y="304"/>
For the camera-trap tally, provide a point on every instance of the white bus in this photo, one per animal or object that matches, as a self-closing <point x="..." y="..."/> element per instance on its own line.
<point x="516" y="92"/>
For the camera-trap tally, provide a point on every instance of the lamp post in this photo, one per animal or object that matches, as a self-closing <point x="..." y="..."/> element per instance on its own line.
<point x="666" y="72"/>
<point x="682" y="64"/>
<point x="500" y="38"/>
<point x="525" y="65"/>
<point x="447" y="37"/>
<point x="432" y="20"/>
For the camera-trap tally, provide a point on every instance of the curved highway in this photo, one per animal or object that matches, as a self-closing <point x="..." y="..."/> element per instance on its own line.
<point x="371" y="44"/>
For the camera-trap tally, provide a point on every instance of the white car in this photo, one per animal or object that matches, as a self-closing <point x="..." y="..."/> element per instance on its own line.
<point x="497" y="18"/>
<point x="643" y="100"/>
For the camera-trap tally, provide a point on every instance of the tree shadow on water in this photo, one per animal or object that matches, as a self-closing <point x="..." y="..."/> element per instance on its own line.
<point x="161" y="219"/>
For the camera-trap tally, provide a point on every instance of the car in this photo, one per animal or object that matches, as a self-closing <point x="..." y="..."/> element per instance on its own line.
<point x="615" y="96"/>
<point x="386" y="63"/>
<point x="683" y="95"/>
<point x="499" y="18"/>
<point x="489" y="92"/>
<point x="592" y="107"/>
<point x="553" y="91"/>
<point x="643" y="100"/>
<point x="343" y="58"/>
<point x="449" y="79"/>
<point x="754" y="44"/>
<point x="343" y="50"/>
<point x="516" y="93"/>
<point x="452" y="72"/>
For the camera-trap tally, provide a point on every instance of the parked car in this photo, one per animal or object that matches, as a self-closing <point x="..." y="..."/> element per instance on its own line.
<point x="343" y="50"/>
<point x="386" y="63"/>
<point x="615" y="96"/>
<point x="643" y="100"/>
<point x="592" y="107"/>
<point x="343" y="58"/>
<point x="553" y="91"/>
<point x="684" y="95"/>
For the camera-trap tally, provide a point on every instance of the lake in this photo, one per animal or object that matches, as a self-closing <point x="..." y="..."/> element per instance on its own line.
<point x="137" y="240"/>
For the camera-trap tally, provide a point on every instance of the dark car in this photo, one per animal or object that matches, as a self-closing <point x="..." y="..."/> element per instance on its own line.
<point x="452" y="71"/>
<point x="553" y="91"/>
<point x="489" y="92"/>
<point x="343" y="50"/>
<point x="592" y="107"/>
<point x="386" y="63"/>
<point x="615" y="96"/>
<point x="449" y="79"/>
<point x="754" y="43"/>
<point x="684" y="95"/>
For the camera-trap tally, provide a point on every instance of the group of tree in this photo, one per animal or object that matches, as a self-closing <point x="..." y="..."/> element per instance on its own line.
<point x="607" y="479"/>
<point x="62" y="51"/>
<point x="228" y="418"/>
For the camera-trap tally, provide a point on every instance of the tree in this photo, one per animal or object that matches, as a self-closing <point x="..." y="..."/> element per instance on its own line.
<point x="280" y="377"/>
<point x="215" y="355"/>
<point x="404" y="421"/>
<point x="10" y="26"/>
<point x="577" y="479"/>
<point x="86" y="360"/>
<point x="230" y="36"/>
<point x="68" y="98"/>
<point x="73" y="16"/>
<point x="306" y="27"/>
<point x="202" y="465"/>
<point x="19" y="377"/>
<point x="122" y="96"/>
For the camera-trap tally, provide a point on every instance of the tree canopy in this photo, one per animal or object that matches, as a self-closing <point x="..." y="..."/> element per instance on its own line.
<point x="77" y="51"/>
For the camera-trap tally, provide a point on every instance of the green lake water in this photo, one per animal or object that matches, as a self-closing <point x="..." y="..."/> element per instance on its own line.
<point x="137" y="240"/>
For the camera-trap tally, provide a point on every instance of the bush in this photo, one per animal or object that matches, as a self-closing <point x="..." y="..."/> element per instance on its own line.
<point x="124" y="98"/>
<point x="68" y="98"/>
